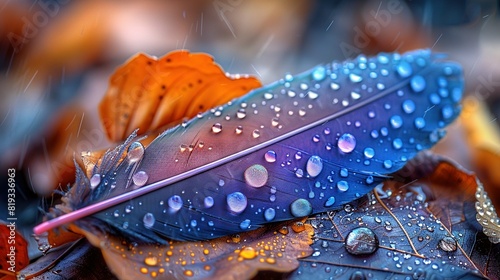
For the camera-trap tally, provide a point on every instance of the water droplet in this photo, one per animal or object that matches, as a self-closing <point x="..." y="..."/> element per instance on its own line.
<point x="268" y="95"/>
<point x="357" y="275"/>
<point x="256" y="133"/>
<point x="208" y="201"/>
<point x="302" y="112"/>
<point x="374" y="134"/>
<point x="301" y="208"/>
<point x="447" y="112"/>
<point x="237" y="202"/>
<point x="175" y="202"/>
<point x="151" y="261"/>
<point x="361" y="241"/>
<point x="419" y="123"/>
<point x="248" y="253"/>
<point x="408" y="106"/>
<point x="342" y="185"/>
<point x="140" y="178"/>
<point x="238" y="129"/>
<point x="241" y="114"/>
<point x="369" y="152"/>
<point x="256" y="175"/>
<point x="194" y="223"/>
<point x="269" y="214"/>
<point x="312" y="95"/>
<point x="448" y="244"/>
<point x="369" y="180"/>
<point x="270" y="156"/>
<point x="388" y="163"/>
<point x="95" y="180"/>
<point x="330" y="201"/>
<point x="299" y="173"/>
<point x="291" y="93"/>
<point x="319" y="73"/>
<point x="355" y="95"/>
<point x="383" y="59"/>
<point x="396" y="121"/>
<point x="334" y="86"/>
<point x="245" y="224"/>
<point x="417" y="83"/>
<point x="343" y="172"/>
<point x="188" y="273"/>
<point x="275" y="121"/>
<point x="148" y="220"/>
<point x="216" y="128"/>
<point x="314" y="166"/>
<point x="355" y="78"/>
<point x="135" y="152"/>
<point x="315" y="138"/>
<point x="384" y="131"/>
<point x="397" y="143"/>
<point x="346" y="143"/>
<point x="404" y="69"/>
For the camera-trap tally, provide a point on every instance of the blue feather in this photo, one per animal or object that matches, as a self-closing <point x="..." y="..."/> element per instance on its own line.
<point x="303" y="145"/>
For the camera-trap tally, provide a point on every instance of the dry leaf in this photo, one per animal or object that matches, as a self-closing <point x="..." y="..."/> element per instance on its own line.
<point x="148" y="93"/>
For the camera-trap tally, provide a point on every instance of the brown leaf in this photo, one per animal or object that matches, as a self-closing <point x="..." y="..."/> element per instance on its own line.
<point x="422" y="229"/>
<point x="275" y="248"/>
<point x="148" y="93"/>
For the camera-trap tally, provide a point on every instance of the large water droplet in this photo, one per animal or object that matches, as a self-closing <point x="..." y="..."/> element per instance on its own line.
<point x="319" y="73"/>
<point x="175" y="202"/>
<point x="135" y="152"/>
<point x="355" y="78"/>
<point x="369" y="152"/>
<point x="361" y="241"/>
<point x="216" y="128"/>
<point x="342" y="185"/>
<point x="355" y="95"/>
<point x="396" y="121"/>
<point x="245" y="224"/>
<point x="95" y="180"/>
<point x="208" y="201"/>
<point x="330" y="201"/>
<point x="417" y="83"/>
<point x="237" y="202"/>
<point x="346" y="143"/>
<point x="148" y="220"/>
<point x="140" y="178"/>
<point x="256" y="175"/>
<point x="314" y="166"/>
<point x="248" y="253"/>
<point x="269" y="214"/>
<point x="408" y="106"/>
<point x="301" y="208"/>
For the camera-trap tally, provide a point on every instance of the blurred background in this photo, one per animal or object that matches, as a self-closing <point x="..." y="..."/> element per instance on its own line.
<point x="56" y="58"/>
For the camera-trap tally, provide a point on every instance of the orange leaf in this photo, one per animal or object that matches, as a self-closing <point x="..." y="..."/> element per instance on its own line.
<point x="148" y="93"/>
<point x="13" y="249"/>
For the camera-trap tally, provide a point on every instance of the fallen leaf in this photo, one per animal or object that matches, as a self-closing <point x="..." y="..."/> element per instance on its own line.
<point x="13" y="251"/>
<point x="273" y="248"/>
<point x="425" y="229"/>
<point x="148" y="93"/>
<point x="77" y="260"/>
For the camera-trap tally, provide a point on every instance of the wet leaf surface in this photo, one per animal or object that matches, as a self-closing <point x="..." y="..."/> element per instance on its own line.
<point x="426" y="229"/>
<point x="274" y="248"/>
<point x="149" y="93"/>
